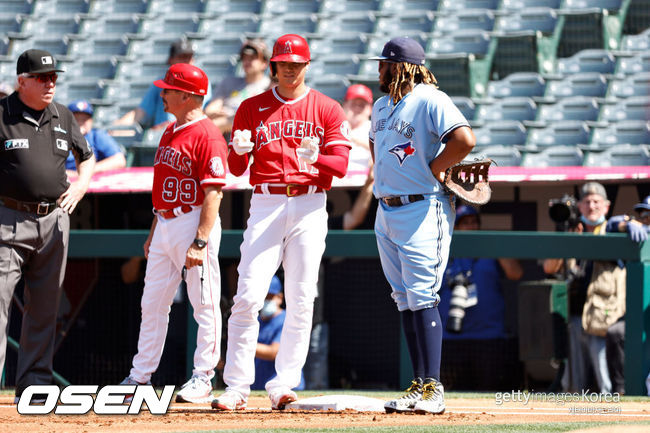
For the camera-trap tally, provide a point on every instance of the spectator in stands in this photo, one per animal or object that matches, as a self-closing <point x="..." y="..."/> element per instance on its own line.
<point x="482" y="329"/>
<point x="596" y="293"/>
<point x="108" y="153"/>
<point x="254" y="56"/>
<point x="357" y="106"/>
<point x="271" y="320"/>
<point x="151" y="112"/>
<point x="638" y="227"/>
<point x="6" y="89"/>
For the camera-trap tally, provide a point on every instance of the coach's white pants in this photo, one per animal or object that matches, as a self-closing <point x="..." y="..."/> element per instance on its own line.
<point x="169" y="245"/>
<point x="291" y="231"/>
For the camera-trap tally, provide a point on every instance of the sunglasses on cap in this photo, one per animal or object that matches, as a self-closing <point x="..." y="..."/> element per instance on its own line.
<point x="43" y="78"/>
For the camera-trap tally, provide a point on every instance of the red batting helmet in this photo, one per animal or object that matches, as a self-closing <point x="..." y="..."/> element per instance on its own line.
<point x="186" y="78"/>
<point x="291" y="48"/>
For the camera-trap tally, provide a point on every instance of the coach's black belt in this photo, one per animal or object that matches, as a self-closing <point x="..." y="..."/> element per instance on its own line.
<point x="42" y="208"/>
<point x="397" y="201"/>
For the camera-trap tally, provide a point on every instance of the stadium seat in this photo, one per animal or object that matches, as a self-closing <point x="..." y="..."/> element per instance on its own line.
<point x="452" y="71"/>
<point x="640" y="62"/>
<point x="115" y="45"/>
<point x="360" y="21"/>
<point x="56" y="46"/>
<point x="274" y="26"/>
<point x="151" y="67"/>
<point x="515" y="108"/>
<point x="637" y="18"/>
<point x="341" y="6"/>
<point x="218" y="67"/>
<point x="220" y="44"/>
<point x="515" y="52"/>
<point x="518" y="5"/>
<point x="103" y="8"/>
<point x="620" y="155"/>
<point x="632" y="108"/>
<point x="134" y="88"/>
<point x="4" y="46"/>
<point x="70" y="88"/>
<point x="446" y="5"/>
<point x="582" y="29"/>
<point x="283" y="7"/>
<point x="350" y="43"/>
<point x="633" y="85"/>
<point x="560" y="133"/>
<point x="411" y="5"/>
<point x="503" y="156"/>
<point x="10" y="22"/>
<point x="153" y="45"/>
<point x="176" y="6"/>
<point x="582" y="108"/>
<point x="474" y="41"/>
<point x="593" y="60"/>
<point x="232" y="22"/>
<point x="339" y="64"/>
<point x="376" y="42"/>
<point x="406" y="21"/>
<point x="228" y="6"/>
<point x="637" y="42"/>
<point x="114" y="24"/>
<point x="54" y="26"/>
<point x="579" y="84"/>
<point x="464" y="19"/>
<point x="554" y="156"/>
<point x="507" y="132"/>
<point x="333" y="86"/>
<point x="465" y="105"/>
<point x="46" y="7"/>
<point x="625" y="131"/>
<point x="517" y="84"/>
<point x="177" y="24"/>
<point x="612" y="5"/>
<point x="96" y="66"/>
<point x="18" y="6"/>
<point x="535" y="18"/>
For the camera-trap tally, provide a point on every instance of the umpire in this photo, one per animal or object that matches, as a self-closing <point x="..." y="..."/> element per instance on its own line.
<point x="35" y="200"/>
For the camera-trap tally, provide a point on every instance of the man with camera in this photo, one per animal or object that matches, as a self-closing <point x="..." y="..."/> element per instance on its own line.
<point x="472" y="309"/>
<point x="596" y="294"/>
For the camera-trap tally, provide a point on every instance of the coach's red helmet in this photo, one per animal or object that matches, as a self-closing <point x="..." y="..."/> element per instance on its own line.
<point x="291" y="48"/>
<point x="185" y="77"/>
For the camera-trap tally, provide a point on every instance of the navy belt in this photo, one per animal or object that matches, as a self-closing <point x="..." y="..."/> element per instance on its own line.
<point x="402" y="200"/>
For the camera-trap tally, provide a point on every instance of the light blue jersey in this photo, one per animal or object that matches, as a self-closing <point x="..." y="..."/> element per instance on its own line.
<point x="407" y="137"/>
<point x="413" y="238"/>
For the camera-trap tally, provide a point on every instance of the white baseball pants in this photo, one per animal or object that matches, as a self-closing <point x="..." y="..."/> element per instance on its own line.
<point x="171" y="239"/>
<point x="291" y="231"/>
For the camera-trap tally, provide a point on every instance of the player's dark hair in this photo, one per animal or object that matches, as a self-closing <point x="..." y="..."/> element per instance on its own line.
<point x="406" y="76"/>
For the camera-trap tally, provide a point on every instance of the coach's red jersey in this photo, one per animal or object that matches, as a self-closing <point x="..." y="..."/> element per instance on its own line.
<point x="277" y="127"/>
<point x="188" y="157"/>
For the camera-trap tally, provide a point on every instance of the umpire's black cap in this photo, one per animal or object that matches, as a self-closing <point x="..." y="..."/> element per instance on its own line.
<point x="36" y="62"/>
<point x="402" y="49"/>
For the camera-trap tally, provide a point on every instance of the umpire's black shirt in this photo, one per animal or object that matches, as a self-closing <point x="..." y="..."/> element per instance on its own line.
<point x="33" y="153"/>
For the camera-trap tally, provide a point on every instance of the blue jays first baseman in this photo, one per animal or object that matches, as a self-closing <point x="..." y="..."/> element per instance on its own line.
<point x="417" y="133"/>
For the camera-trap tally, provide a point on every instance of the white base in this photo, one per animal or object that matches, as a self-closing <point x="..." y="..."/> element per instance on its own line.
<point x="339" y="403"/>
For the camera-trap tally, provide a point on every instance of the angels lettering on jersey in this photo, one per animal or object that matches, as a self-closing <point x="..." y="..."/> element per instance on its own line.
<point x="289" y="129"/>
<point x="175" y="159"/>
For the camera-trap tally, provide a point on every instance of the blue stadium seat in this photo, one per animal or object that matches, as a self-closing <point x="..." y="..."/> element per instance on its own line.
<point x="153" y="67"/>
<point x="18" y="6"/>
<point x="282" y="7"/>
<point x="228" y="6"/>
<point x="10" y="22"/>
<point x="70" y="88"/>
<point x="360" y="21"/>
<point x="339" y="64"/>
<point x="464" y="19"/>
<point x="633" y="85"/>
<point x="333" y="86"/>
<point x="517" y="84"/>
<point x="106" y="7"/>
<point x="120" y="24"/>
<point x="177" y="23"/>
<point x="446" y="5"/>
<point x="471" y="41"/>
<point x="406" y="21"/>
<point x="348" y="42"/>
<point x="56" y="46"/>
<point x="274" y="26"/>
<point x="376" y="42"/>
<point x="560" y="133"/>
<point x="535" y="18"/>
<point x="507" y="132"/>
<point x="514" y="108"/>
<point x="218" y="67"/>
<point x="579" y="84"/>
<point x="220" y="43"/>
<point x="518" y="5"/>
<point x="620" y="155"/>
<point x="47" y="7"/>
<point x="632" y="108"/>
<point x="341" y="6"/>
<point x="409" y="5"/>
<point x="640" y="42"/>
<point x="54" y="26"/>
<point x="592" y="60"/>
<point x="232" y="22"/>
<point x="625" y="131"/>
<point x="152" y="45"/>
<point x="134" y="88"/>
<point x="612" y="5"/>
<point x="4" y="46"/>
<point x="504" y="156"/>
<point x="465" y="105"/>
<point x="175" y="6"/>
<point x="554" y="156"/>
<point x="95" y="66"/>
<point x="640" y="62"/>
<point x="583" y="108"/>
<point x="115" y="45"/>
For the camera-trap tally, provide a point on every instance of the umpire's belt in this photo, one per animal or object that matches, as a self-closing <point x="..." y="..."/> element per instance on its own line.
<point x="402" y="199"/>
<point x="173" y="213"/>
<point x="39" y="208"/>
<point x="288" y="190"/>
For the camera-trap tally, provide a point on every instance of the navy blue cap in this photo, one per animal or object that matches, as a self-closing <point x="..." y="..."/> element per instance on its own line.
<point x="402" y="49"/>
<point x="464" y="210"/>
<point x="644" y="205"/>
<point x="276" y="286"/>
<point x="81" y="106"/>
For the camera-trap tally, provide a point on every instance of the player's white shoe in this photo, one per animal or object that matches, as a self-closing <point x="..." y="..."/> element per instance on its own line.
<point x="196" y="390"/>
<point x="281" y="397"/>
<point x="407" y="402"/>
<point x="130" y="381"/>
<point x="229" y="400"/>
<point x="433" y="398"/>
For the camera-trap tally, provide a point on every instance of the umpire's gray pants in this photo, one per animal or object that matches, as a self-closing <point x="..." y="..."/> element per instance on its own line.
<point x="36" y="247"/>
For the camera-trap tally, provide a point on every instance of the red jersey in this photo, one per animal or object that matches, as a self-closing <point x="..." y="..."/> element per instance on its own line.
<point x="278" y="126"/>
<point x="188" y="157"/>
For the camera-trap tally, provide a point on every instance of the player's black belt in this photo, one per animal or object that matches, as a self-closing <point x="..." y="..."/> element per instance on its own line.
<point x="39" y="208"/>
<point x="397" y="201"/>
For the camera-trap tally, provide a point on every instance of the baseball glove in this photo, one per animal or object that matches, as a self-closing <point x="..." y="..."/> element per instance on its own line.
<point x="469" y="180"/>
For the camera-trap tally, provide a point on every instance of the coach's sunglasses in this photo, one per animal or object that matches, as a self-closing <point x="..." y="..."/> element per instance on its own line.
<point x="44" y="78"/>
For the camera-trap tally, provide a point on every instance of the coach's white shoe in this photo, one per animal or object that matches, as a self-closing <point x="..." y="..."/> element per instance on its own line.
<point x="130" y="381"/>
<point x="407" y="402"/>
<point x="281" y="397"/>
<point x="433" y="398"/>
<point x="196" y="390"/>
<point x="229" y="400"/>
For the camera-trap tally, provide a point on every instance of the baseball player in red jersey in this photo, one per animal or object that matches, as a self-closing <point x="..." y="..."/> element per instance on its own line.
<point x="297" y="138"/>
<point x="189" y="171"/>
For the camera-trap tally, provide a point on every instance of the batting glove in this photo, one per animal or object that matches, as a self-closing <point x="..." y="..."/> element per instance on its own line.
<point x="308" y="150"/>
<point x="638" y="232"/>
<point x="241" y="141"/>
